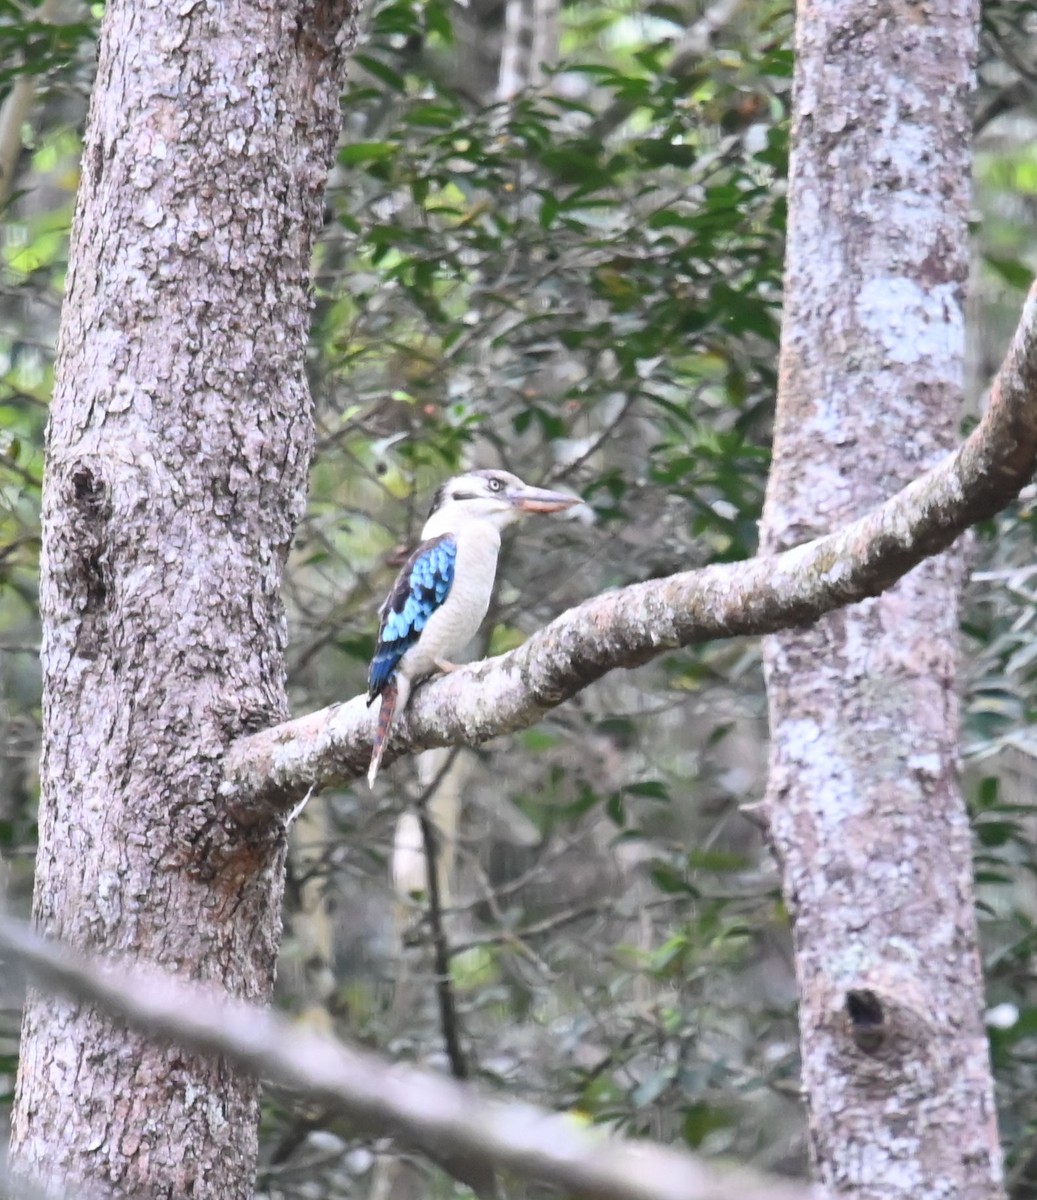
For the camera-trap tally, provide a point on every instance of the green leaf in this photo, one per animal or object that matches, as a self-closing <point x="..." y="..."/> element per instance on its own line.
<point x="363" y="152"/>
<point x="667" y="879"/>
<point x="658" y="152"/>
<point x="716" y="860"/>
<point x="615" y="809"/>
<point x="699" y="1121"/>
<point x="996" y="833"/>
<point x="381" y="71"/>
<point x="653" y="789"/>
<point x="1013" y="272"/>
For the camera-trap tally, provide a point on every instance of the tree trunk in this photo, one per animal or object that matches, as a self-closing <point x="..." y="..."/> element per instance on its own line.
<point x="178" y="451"/>
<point x="864" y="802"/>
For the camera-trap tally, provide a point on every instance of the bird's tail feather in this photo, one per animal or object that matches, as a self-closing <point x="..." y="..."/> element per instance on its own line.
<point x="381" y="733"/>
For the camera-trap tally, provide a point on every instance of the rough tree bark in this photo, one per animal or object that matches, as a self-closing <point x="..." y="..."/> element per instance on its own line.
<point x="178" y="452"/>
<point x="864" y="801"/>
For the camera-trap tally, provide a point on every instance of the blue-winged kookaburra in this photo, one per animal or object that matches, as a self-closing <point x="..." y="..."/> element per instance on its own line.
<point x="442" y="592"/>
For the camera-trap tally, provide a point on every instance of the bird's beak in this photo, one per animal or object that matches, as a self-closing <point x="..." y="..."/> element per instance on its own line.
<point x="539" y="500"/>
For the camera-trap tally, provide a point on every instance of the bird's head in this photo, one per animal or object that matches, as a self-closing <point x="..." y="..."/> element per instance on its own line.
<point x="497" y="497"/>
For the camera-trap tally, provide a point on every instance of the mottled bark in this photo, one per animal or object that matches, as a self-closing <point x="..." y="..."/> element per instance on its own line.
<point x="178" y="451"/>
<point x="864" y="800"/>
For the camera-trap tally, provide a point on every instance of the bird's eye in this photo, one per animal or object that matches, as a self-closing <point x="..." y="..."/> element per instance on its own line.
<point x="495" y="485"/>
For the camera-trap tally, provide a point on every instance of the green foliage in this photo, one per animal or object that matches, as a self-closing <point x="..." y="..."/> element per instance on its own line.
<point x="582" y="284"/>
<point x="35" y="46"/>
<point x="607" y="280"/>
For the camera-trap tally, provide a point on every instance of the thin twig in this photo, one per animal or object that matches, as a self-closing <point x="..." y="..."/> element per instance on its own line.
<point x="441" y="952"/>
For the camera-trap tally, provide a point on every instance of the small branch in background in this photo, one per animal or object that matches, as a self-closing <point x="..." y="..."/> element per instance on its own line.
<point x="441" y="951"/>
<point x="419" y="1107"/>
<point x="1015" y="95"/>
<point x="480" y="1177"/>
<point x="295" y="1136"/>
<point x="448" y="1018"/>
<point x="697" y="41"/>
<point x="15" y="111"/>
<point x="516" y="938"/>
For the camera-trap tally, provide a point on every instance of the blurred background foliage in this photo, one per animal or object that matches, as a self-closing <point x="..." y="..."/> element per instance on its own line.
<point x="553" y="242"/>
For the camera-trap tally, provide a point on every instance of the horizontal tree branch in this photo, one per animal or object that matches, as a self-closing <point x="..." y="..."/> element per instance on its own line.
<point x="416" y="1106"/>
<point x="272" y="770"/>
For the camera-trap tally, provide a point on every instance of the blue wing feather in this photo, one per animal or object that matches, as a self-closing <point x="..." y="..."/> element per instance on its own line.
<point x="420" y="588"/>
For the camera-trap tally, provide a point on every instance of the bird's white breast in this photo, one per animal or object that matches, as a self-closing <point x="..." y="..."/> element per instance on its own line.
<point x="453" y="625"/>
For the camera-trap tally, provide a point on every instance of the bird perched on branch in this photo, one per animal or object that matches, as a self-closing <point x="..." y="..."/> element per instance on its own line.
<point x="442" y="592"/>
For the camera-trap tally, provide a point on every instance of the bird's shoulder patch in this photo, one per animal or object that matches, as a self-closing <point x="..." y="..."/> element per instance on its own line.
<point x="421" y="587"/>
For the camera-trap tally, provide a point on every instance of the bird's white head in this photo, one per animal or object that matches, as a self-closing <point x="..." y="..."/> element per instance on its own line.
<point x="495" y="497"/>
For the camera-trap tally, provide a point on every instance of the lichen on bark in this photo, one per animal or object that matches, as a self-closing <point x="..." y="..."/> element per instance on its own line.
<point x="864" y="800"/>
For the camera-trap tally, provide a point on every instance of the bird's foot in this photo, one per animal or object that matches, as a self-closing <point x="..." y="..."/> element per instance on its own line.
<point x="445" y="666"/>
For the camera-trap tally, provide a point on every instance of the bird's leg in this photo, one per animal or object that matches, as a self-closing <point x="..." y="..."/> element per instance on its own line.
<point x="447" y="667"/>
<point x="381" y="732"/>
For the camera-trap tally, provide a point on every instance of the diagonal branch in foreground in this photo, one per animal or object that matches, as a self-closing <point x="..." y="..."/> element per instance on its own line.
<point x="418" y="1107"/>
<point x="268" y="772"/>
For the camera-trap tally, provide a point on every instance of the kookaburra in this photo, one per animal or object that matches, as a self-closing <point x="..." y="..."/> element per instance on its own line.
<point x="442" y="592"/>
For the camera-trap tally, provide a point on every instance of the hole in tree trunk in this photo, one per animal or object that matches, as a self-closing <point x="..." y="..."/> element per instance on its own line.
<point x="867" y="1019"/>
